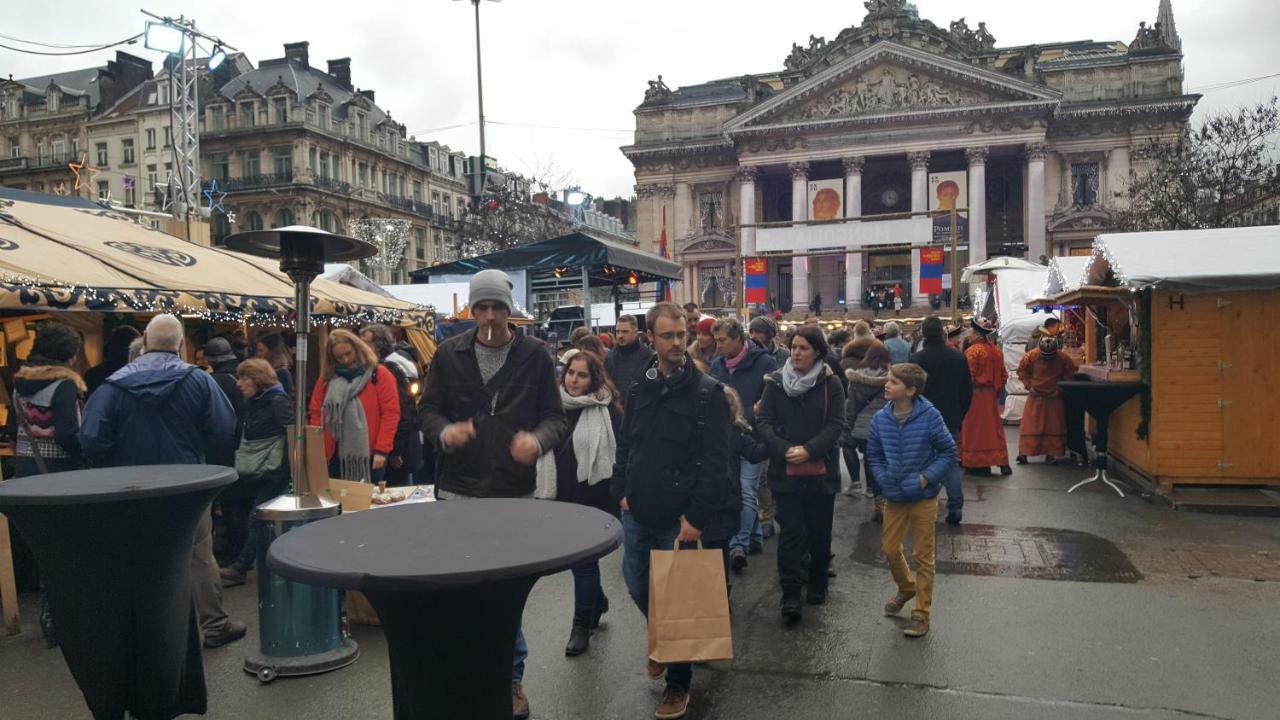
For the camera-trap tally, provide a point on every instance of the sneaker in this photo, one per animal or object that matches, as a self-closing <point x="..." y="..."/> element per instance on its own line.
<point x="899" y="601"/>
<point x="233" y="576"/>
<point x="919" y="627"/>
<point x="792" y="610"/>
<point x="229" y="633"/>
<point x="755" y="548"/>
<point x="655" y="670"/>
<point x="953" y="518"/>
<point x="737" y="560"/>
<point x="1006" y="470"/>
<point x="674" y="704"/>
<point x="519" y="703"/>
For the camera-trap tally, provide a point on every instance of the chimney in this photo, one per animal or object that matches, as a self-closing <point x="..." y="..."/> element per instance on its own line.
<point x="368" y="94"/>
<point x="340" y="70"/>
<point x="297" y="52"/>
<point x="120" y="76"/>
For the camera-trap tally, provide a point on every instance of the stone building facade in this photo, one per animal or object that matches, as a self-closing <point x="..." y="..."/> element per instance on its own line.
<point x="829" y="167"/>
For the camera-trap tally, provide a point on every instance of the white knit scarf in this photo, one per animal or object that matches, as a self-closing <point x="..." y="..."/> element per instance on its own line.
<point x="594" y="444"/>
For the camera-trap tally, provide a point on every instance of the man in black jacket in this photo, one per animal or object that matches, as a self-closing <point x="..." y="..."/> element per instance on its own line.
<point x="491" y="406"/>
<point x="628" y="360"/>
<point x="950" y="388"/>
<point x="672" y="470"/>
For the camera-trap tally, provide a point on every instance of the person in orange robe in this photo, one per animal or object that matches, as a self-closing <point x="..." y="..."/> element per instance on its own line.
<point x="982" y="443"/>
<point x="1044" y="420"/>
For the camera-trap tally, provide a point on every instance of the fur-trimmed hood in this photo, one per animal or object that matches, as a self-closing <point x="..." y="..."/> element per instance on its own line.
<point x="45" y="374"/>
<point x="866" y="376"/>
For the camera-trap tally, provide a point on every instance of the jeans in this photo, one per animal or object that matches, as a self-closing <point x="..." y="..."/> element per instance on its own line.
<point x="749" y="524"/>
<point x="259" y="532"/>
<point x="588" y="594"/>
<point x="918" y="518"/>
<point x="851" y="460"/>
<point x="522" y="648"/>
<point x="637" y="540"/>
<point x="806" y="518"/>
<point x="955" y="490"/>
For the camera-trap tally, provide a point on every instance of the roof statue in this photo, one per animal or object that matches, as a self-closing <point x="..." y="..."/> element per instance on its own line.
<point x="658" y="90"/>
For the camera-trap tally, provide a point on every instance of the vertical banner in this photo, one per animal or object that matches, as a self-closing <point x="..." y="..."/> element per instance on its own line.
<point x="756" y="274"/>
<point x="931" y="262"/>
<point x="949" y="190"/>
<point x="826" y="199"/>
<point x="664" y="287"/>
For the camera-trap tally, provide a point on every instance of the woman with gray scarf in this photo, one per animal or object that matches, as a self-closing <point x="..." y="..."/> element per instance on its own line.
<point x="578" y="471"/>
<point x="800" y="420"/>
<point x="355" y="401"/>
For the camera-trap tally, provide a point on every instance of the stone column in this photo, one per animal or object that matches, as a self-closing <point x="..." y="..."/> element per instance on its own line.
<point x="747" y="210"/>
<point x="1035" y="202"/>
<point x="853" y="281"/>
<point x="681" y="218"/>
<point x="800" y="283"/>
<point x="799" y="191"/>
<point x="977" y="204"/>
<point x="1117" y="174"/>
<point x="1064" y="189"/>
<point x="853" y="186"/>
<point x="919" y="180"/>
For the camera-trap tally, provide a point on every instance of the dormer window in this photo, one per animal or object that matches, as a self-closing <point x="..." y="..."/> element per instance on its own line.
<point x="281" y="105"/>
<point x="54" y="102"/>
<point x="322" y="116"/>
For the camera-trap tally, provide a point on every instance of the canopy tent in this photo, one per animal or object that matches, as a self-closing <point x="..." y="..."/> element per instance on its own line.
<point x="1189" y="261"/>
<point x="610" y="263"/>
<point x="347" y="275"/>
<point x="1065" y="274"/>
<point x="1003" y="262"/>
<point x="68" y="254"/>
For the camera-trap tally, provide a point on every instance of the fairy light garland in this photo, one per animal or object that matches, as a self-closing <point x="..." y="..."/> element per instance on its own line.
<point x="389" y="235"/>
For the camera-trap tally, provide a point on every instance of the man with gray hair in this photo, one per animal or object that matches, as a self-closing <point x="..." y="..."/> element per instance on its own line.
<point x="899" y="349"/>
<point x="159" y="410"/>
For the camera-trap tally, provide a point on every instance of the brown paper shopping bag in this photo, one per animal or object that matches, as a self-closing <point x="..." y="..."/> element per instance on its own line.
<point x="688" y="606"/>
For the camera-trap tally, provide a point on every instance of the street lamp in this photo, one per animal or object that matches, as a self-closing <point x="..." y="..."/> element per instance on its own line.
<point x="479" y="183"/>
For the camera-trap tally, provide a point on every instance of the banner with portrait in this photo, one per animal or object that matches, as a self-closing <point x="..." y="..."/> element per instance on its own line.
<point x="826" y="199"/>
<point x="949" y="190"/>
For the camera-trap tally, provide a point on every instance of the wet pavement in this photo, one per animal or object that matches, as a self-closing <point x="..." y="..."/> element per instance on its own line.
<point x="1047" y="605"/>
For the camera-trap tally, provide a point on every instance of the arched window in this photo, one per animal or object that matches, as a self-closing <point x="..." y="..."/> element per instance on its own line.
<point x="325" y="220"/>
<point x="221" y="228"/>
<point x="254" y="221"/>
<point x="284" y="218"/>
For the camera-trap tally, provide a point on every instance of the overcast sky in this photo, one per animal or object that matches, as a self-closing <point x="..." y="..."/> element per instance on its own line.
<point x="576" y="69"/>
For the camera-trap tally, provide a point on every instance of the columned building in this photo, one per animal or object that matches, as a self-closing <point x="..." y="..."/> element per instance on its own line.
<point x="839" y="168"/>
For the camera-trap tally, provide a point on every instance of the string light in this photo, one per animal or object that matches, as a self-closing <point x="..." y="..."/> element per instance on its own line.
<point x="389" y="235"/>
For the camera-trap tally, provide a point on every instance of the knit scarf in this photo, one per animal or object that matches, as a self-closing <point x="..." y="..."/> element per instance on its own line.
<point x="732" y="363"/>
<point x="795" y="384"/>
<point x="594" y="444"/>
<point x="344" y="419"/>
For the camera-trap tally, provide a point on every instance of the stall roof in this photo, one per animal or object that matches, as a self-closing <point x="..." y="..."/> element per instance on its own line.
<point x="61" y="253"/>
<point x="995" y="264"/>
<point x="573" y="250"/>
<point x="1065" y="273"/>
<point x="348" y="275"/>
<point x="1190" y="260"/>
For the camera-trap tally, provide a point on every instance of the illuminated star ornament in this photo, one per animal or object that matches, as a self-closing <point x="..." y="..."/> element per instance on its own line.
<point x="231" y="217"/>
<point x="215" y="197"/>
<point x="129" y="182"/>
<point x="84" y="172"/>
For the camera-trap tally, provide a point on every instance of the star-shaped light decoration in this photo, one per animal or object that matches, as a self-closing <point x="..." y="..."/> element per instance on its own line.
<point x="129" y="182"/>
<point x="84" y="172"/>
<point x="164" y="197"/>
<point x="231" y="217"/>
<point x="215" y="197"/>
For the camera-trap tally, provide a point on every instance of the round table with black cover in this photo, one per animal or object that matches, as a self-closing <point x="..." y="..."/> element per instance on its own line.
<point x="1099" y="399"/>
<point x="449" y="582"/>
<point x="114" y="548"/>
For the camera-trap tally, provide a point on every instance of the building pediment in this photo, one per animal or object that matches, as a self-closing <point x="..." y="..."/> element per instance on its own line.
<point x="895" y="81"/>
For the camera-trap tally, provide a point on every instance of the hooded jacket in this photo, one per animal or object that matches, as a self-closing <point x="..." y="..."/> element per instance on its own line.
<point x="51" y="394"/>
<point x="898" y="454"/>
<point x="814" y="420"/>
<point x="748" y="378"/>
<point x="157" y="410"/>
<point x="866" y="397"/>
<point x="626" y="364"/>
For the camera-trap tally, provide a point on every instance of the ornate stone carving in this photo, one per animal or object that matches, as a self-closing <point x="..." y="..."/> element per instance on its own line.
<point x="919" y="160"/>
<point x="976" y="155"/>
<point x="644" y="191"/>
<point x="658" y="91"/>
<point x="801" y="56"/>
<point x="799" y="170"/>
<point x="853" y="165"/>
<point x="980" y="39"/>
<point x="876" y="8"/>
<point x="664" y="190"/>
<point x="1151" y="39"/>
<point x="748" y="174"/>
<point x="888" y="94"/>
<point x="1035" y="151"/>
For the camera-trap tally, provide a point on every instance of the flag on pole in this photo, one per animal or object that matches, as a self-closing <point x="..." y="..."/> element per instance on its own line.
<point x="664" y="290"/>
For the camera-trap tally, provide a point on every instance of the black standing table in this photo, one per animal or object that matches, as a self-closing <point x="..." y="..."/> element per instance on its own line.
<point x="449" y="582"/>
<point x="1099" y="399"/>
<point x="114" y="547"/>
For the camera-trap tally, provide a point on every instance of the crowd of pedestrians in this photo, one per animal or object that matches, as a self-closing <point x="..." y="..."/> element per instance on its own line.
<point x="688" y="428"/>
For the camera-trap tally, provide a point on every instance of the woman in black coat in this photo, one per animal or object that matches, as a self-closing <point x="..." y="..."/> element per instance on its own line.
<point x="583" y="466"/>
<point x="800" y="420"/>
<point x="268" y="416"/>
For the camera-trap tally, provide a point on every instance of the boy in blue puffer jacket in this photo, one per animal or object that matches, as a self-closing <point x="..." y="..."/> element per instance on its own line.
<point x="911" y="452"/>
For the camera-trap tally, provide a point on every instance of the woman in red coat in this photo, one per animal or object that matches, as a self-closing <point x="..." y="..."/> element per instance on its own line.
<point x="356" y="403"/>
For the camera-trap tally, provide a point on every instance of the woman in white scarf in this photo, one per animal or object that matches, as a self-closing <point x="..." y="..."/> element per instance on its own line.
<point x="579" y="470"/>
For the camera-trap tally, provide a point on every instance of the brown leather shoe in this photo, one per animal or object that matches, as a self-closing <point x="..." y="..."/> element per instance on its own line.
<point x="674" y="704"/>
<point x="894" y="606"/>
<point x="519" y="703"/>
<point x="656" y="670"/>
<point x="231" y="632"/>
<point x="919" y="627"/>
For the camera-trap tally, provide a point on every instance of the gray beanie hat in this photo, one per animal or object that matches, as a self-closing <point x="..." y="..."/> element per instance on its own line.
<point x="218" y="350"/>
<point x="762" y="324"/>
<point x="491" y="285"/>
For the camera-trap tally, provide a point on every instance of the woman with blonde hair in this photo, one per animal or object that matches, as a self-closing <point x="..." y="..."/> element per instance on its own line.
<point x="355" y="401"/>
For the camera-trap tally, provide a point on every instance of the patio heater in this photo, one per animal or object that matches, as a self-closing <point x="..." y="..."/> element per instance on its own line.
<point x="300" y="626"/>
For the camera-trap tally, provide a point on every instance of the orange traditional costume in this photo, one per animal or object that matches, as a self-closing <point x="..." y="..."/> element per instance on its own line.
<point x="1044" y="419"/>
<point x="982" y="441"/>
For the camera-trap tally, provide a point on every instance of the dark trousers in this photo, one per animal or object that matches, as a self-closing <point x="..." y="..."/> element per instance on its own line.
<point x="851" y="462"/>
<point x="637" y="540"/>
<point x="259" y="532"/>
<point x="588" y="594"/>
<point x="804" y="546"/>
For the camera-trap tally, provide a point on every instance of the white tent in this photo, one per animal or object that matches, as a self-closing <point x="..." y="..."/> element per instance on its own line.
<point x="1190" y="260"/>
<point x="1066" y="274"/>
<point x="1003" y="262"/>
<point x="348" y="275"/>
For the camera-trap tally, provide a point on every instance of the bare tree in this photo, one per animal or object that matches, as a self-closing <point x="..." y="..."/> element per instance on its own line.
<point x="1199" y="179"/>
<point x="508" y="216"/>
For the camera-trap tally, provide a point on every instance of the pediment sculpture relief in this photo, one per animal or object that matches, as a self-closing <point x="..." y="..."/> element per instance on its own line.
<point x="888" y="92"/>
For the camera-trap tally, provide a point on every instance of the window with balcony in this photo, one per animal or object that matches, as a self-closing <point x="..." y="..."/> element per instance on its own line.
<point x="126" y="147"/>
<point x="151" y="177"/>
<point x="11" y="107"/>
<point x="217" y="118"/>
<point x="435" y="203"/>
<point x="131" y="196"/>
<point x="250" y="163"/>
<point x="282" y="161"/>
<point x="362" y="175"/>
<point x="324" y="165"/>
<point x="1084" y="184"/>
<point x="221" y="169"/>
<point x="284" y="217"/>
<point x="281" y="106"/>
<point x="247" y="113"/>
<point x="417" y="191"/>
<point x="101" y="154"/>
<point x="420" y="243"/>
<point x="462" y="208"/>
<point x="711" y="211"/>
<point x="151" y="138"/>
<point x="362" y="127"/>
<point x="437" y="242"/>
<point x="15" y="148"/>
<point x="54" y="102"/>
<point x="322" y="116"/>
<point x="59" y="151"/>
